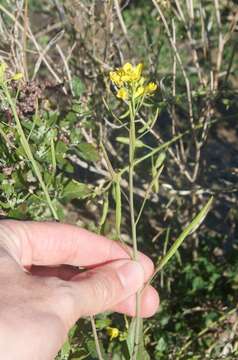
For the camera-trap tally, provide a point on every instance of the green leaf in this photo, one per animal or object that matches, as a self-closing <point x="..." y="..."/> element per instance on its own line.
<point x="70" y="119"/>
<point x="196" y="222"/>
<point x="103" y="323"/>
<point x="131" y="336"/>
<point x="72" y="332"/>
<point x="160" y="160"/>
<point x="126" y="141"/>
<point x="198" y="284"/>
<point x="75" y="190"/>
<point x="20" y="152"/>
<point x="68" y="168"/>
<point x="88" y="151"/>
<point x="20" y="212"/>
<point x="161" y="345"/>
<point x="60" y="151"/>
<point x="142" y="353"/>
<point x="65" y="350"/>
<point x="78" y="86"/>
<point x="77" y="107"/>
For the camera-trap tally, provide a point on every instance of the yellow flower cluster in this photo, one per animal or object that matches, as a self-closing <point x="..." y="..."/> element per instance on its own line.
<point x="17" y="76"/>
<point x="129" y="81"/>
<point x="126" y="74"/>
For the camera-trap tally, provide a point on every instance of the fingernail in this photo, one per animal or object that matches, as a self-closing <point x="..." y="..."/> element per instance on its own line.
<point x="131" y="274"/>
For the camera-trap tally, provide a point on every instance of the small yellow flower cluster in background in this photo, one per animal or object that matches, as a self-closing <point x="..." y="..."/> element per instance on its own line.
<point x="113" y="332"/>
<point x="4" y="75"/>
<point x="130" y="83"/>
<point x="17" y="76"/>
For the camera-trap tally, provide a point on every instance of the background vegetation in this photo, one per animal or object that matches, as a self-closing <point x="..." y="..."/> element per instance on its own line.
<point x="54" y="120"/>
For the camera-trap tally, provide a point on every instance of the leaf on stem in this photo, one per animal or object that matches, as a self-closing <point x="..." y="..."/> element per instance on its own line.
<point x="142" y="353"/>
<point x="75" y="190"/>
<point x="126" y="141"/>
<point x="196" y="222"/>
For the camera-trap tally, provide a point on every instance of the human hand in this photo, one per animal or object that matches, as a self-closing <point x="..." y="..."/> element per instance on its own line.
<point x="38" y="306"/>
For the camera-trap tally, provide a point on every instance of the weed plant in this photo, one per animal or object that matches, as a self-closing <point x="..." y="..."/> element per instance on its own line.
<point x="121" y="117"/>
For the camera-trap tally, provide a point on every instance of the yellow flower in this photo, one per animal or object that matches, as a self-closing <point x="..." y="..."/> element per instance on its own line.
<point x="131" y="73"/>
<point x="150" y="88"/>
<point x="126" y="74"/>
<point x="113" y="332"/>
<point x="140" y="91"/>
<point x="126" y="78"/>
<point x="115" y="77"/>
<point x="138" y="71"/>
<point x="127" y="68"/>
<point x="17" y="76"/>
<point x="122" y="93"/>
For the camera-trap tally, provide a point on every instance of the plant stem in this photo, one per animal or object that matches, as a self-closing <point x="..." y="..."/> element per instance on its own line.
<point x="95" y="335"/>
<point x="133" y="223"/>
<point x="131" y="183"/>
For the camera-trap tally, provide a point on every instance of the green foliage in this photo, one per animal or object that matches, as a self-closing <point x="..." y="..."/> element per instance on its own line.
<point x="88" y="152"/>
<point x="78" y="87"/>
<point x="51" y="139"/>
<point x="75" y="190"/>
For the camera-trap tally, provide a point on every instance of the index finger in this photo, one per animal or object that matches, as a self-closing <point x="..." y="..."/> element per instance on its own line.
<point x="50" y="243"/>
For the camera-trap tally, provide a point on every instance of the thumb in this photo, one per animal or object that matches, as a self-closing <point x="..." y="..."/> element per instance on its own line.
<point x="101" y="288"/>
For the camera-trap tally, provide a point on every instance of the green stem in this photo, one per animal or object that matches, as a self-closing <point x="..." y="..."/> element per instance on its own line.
<point x="154" y="180"/>
<point x="154" y="152"/>
<point x="28" y="151"/>
<point x="131" y="183"/>
<point x="133" y="223"/>
<point x="53" y="156"/>
<point x="95" y="335"/>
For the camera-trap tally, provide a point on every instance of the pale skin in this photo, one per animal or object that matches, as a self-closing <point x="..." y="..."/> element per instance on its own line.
<point x="43" y="294"/>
